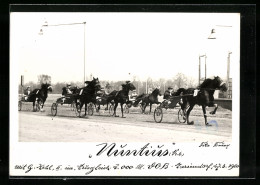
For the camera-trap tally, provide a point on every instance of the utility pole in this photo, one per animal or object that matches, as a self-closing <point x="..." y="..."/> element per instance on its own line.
<point x="200" y="66"/>
<point x="68" y="24"/>
<point x="228" y="71"/>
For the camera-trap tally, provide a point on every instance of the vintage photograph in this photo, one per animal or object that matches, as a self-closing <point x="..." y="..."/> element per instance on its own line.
<point x="91" y="77"/>
<point x="125" y="75"/>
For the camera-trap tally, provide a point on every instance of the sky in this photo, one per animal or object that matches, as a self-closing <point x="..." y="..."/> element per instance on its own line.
<point x="119" y="46"/>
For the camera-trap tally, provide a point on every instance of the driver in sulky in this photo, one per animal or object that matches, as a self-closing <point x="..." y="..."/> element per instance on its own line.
<point x="68" y="92"/>
<point x="27" y="92"/>
<point x="168" y="94"/>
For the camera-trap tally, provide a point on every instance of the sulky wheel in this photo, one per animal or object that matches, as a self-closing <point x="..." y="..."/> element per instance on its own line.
<point x="181" y="116"/>
<point x="54" y="108"/>
<point x="19" y="105"/>
<point x="77" y="109"/>
<point x="90" y="109"/>
<point x="158" y="115"/>
<point x="111" y="110"/>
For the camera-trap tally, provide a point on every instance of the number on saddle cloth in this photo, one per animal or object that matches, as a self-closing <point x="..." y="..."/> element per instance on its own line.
<point x="80" y="91"/>
<point x="195" y="92"/>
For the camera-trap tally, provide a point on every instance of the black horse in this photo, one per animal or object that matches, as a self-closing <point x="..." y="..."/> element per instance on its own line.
<point x="39" y="95"/>
<point x="87" y="94"/>
<point x="203" y="98"/>
<point x="150" y="99"/>
<point x="120" y="97"/>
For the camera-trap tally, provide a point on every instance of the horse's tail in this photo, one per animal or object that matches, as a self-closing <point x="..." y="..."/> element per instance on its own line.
<point x="178" y="92"/>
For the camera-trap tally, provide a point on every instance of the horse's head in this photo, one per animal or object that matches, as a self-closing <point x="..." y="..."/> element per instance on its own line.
<point x="214" y="83"/>
<point x="95" y="84"/>
<point x="129" y="86"/>
<point x="220" y="84"/>
<point x="46" y="87"/>
<point x="157" y="92"/>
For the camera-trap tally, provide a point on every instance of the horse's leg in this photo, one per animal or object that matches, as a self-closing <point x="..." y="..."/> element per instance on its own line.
<point x="144" y="107"/>
<point x="215" y="110"/>
<point x="204" y="113"/>
<point x="107" y="105"/>
<point x="43" y="104"/>
<point x="81" y="103"/>
<point x="33" y="106"/>
<point x="122" y="109"/>
<point x="141" y="105"/>
<point x="86" y="107"/>
<point x="116" y="103"/>
<point x="98" y="108"/>
<point x="188" y="114"/>
<point x="150" y="108"/>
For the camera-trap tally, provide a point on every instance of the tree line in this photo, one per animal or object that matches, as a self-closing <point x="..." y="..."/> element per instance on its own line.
<point x="176" y="82"/>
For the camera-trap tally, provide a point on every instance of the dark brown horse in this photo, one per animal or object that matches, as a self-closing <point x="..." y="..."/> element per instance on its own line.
<point x="121" y="96"/>
<point x="87" y="94"/>
<point x="150" y="99"/>
<point x="204" y="96"/>
<point x="40" y="95"/>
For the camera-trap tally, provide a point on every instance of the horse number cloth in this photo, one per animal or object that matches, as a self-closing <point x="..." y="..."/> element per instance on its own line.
<point x="195" y="92"/>
<point x="81" y="91"/>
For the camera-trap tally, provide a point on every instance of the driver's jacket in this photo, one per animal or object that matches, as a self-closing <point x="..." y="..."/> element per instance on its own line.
<point x="167" y="94"/>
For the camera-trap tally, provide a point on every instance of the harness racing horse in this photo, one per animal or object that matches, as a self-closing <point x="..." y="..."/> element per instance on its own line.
<point x="150" y="99"/>
<point x="39" y="95"/>
<point x="203" y="98"/>
<point x="88" y="94"/>
<point x="121" y="97"/>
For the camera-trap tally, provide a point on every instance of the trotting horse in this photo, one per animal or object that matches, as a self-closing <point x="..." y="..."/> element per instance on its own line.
<point x="39" y="95"/>
<point x="150" y="99"/>
<point x="203" y="98"/>
<point x="121" y="96"/>
<point x="88" y="94"/>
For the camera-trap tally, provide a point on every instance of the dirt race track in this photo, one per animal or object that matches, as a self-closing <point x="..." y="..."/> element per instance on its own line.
<point x="136" y="127"/>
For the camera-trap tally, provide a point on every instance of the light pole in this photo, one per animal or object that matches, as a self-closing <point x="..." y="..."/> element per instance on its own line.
<point x="68" y="24"/>
<point x="200" y="66"/>
<point x="213" y="36"/>
<point x="228" y="71"/>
